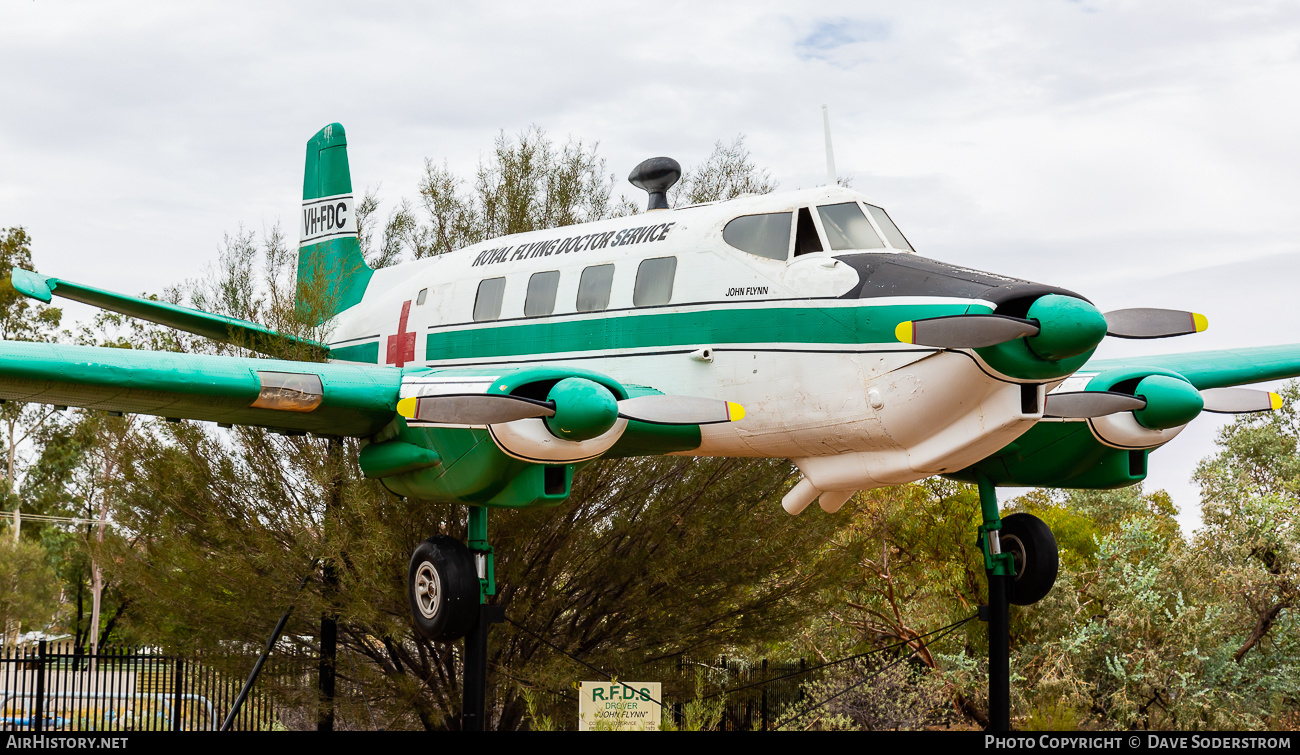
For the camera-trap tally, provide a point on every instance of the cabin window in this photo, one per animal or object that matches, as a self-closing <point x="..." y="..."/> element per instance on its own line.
<point x="892" y="234"/>
<point x="847" y="228"/>
<point x="420" y="297"/>
<point x="487" y="305"/>
<point x="654" y="281"/>
<point x="764" y="235"/>
<point x="805" y="237"/>
<point x="594" y="287"/>
<point x="541" y="293"/>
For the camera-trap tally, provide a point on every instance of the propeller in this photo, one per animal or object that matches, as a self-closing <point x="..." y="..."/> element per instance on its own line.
<point x="680" y="410"/>
<point x="489" y="409"/>
<point x="473" y="409"/>
<point x="980" y="330"/>
<point x="1153" y="323"/>
<point x="1240" y="400"/>
<point x="1088" y="404"/>
<point x="965" y="331"/>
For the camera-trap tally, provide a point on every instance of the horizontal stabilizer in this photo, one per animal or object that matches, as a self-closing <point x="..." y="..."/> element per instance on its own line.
<point x="243" y="333"/>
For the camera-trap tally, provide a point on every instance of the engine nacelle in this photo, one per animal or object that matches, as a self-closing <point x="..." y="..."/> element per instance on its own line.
<point x="1172" y="402"/>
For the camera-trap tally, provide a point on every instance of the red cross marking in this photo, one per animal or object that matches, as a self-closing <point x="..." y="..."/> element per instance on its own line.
<point x="401" y="347"/>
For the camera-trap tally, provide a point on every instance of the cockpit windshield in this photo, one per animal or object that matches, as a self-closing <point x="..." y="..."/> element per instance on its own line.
<point x="892" y="234"/>
<point x="847" y="228"/>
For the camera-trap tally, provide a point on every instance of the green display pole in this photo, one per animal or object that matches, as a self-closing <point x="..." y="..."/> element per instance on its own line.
<point x="473" y="716"/>
<point x="1000" y="568"/>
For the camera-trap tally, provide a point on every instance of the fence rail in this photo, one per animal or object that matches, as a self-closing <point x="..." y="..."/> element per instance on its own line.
<point x="55" y="686"/>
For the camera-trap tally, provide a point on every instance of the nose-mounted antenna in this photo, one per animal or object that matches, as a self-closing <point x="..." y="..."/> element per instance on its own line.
<point x="656" y="176"/>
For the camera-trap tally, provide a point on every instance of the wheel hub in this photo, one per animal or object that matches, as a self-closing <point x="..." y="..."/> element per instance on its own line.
<point x="1011" y="544"/>
<point x="428" y="590"/>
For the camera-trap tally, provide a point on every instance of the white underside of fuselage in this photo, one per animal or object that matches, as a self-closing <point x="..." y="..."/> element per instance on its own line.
<point x="850" y="418"/>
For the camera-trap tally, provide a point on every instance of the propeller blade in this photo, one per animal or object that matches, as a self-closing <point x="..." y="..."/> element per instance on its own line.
<point x="1153" y="323"/>
<point x="1086" y="404"/>
<point x="1240" y="400"/>
<point x="680" y="410"/>
<point x="965" y="331"/>
<point x="473" y="409"/>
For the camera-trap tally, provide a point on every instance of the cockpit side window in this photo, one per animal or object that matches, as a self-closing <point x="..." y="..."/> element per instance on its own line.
<point x="806" y="239"/>
<point x="892" y="234"/>
<point x="847" y="228"/>
<point x="763" y="235"/>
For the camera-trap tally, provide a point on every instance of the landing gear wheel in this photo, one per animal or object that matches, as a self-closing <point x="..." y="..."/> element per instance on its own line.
<point x="442" y="588"/>
<point x="1031" y="543"/>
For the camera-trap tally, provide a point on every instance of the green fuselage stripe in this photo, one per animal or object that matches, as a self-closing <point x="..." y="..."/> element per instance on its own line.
<point x="365" y="352"/>
<point x="651" y="329"/>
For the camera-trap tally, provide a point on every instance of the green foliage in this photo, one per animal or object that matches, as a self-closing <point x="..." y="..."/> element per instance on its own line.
<point x="528" y="183"/>
<point x="881" y="694"/>
<point x="21" y="318"/>
<point x="727" y="173"/>
<point x="537" y="721"/>
<point x="701" y="713"/>
<point x="29" y="586"/>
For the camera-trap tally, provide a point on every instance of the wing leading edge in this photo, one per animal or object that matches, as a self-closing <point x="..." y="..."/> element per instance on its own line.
<point x="1216" y="369"/>
<point x="329" y="399"/>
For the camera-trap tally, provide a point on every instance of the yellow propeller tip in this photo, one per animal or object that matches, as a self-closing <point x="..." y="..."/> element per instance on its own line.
<point x="904" y="332"/>
<point x="1274" y="401"/>
<point x="735" y="412"/>
<point x="406" y="407"/>
<point x="1199" y="322"/>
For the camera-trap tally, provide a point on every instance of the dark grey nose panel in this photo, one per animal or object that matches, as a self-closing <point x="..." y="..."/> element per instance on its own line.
<point x="912" y="275"/>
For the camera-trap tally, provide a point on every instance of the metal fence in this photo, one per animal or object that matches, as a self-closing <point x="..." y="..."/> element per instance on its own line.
<point x="754" y="693"/>
<point x="55" y="686"/>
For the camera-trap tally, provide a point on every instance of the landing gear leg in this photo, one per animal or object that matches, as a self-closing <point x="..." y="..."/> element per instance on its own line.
<point x="1021" y="560"/>
<point x="999" y="567"/>
<point x="474" y="699"/>
<point x="447" y="587"/>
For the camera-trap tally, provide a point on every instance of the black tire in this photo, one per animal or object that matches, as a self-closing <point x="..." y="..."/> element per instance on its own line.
<point x="442" y="589"/>
<point x="1030" y="541"/>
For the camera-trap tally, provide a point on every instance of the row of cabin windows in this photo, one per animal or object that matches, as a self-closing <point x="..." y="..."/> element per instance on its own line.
<point x="845" y="224"/>
<point x="654" y="285"/>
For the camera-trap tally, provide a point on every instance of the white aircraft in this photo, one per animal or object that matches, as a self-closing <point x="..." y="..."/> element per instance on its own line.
<point x="489" y="375"/>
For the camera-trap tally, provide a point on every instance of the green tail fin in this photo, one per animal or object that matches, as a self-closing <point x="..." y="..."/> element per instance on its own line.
<point x="332" y="273"/>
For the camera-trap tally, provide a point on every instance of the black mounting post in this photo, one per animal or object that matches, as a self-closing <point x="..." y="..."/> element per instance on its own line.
<point x="999" y="567"/>
<point x="473" y="713"/>
<point x="329" y="621"/>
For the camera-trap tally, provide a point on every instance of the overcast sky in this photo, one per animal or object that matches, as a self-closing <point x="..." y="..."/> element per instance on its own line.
<point x="1140" y="153"/>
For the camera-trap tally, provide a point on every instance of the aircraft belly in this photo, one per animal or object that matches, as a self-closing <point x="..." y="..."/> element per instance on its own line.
<point x="801" y="404"/>
<point x="937" y="415"/>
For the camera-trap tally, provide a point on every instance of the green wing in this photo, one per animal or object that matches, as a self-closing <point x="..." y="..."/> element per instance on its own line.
<point x="1070" y="455"/>
<point x="1215" y="369"/>
<point x="328" y="399"/>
